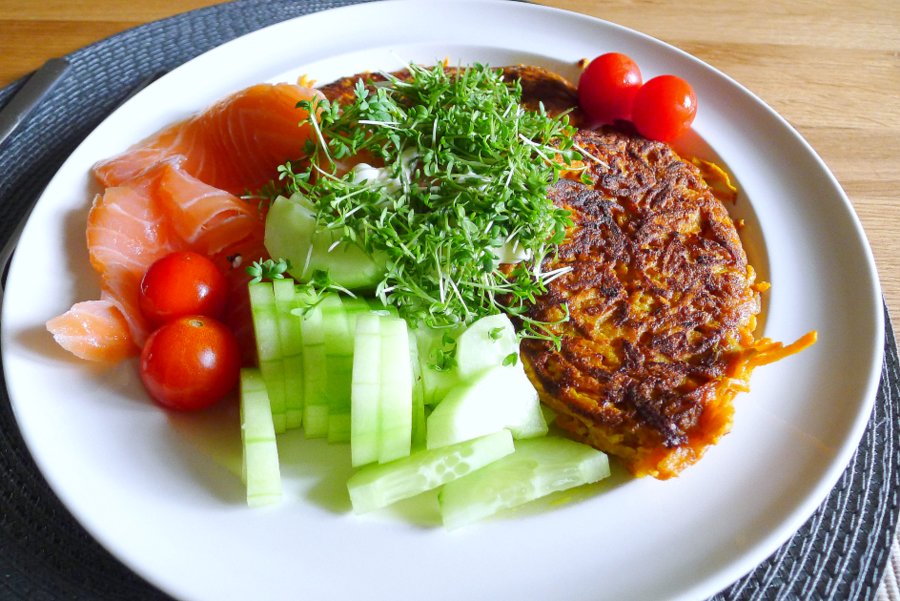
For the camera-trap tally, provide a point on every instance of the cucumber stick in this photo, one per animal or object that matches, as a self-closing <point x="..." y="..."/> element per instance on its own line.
<point x="379" y="485"/>
<point x="418" y="394"/>
<point x="501" y="397"/>
<point x="269" y="348"/>
<point x="365" y="390"/>
<point x="291" y="338"/>
<point x="381" y="390"/>
<point x="338" y="347"/>
<point x="538" y="467"/>
<point x="315" y="408"/>
<point x="395" y="433"/>
<point x="339" y="342"/>
<point x="260" y="470"/>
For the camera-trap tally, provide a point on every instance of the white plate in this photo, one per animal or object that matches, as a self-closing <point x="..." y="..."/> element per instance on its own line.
<point x="161" y="493"/>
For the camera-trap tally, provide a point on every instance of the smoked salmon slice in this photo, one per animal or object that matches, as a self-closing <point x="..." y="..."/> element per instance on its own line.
<point x="206" y="218"/>
<point x="94" y="330"/>
<point x="180" y="190"/>
<point x="127" y="231"/>
<point x="236" y="145"/>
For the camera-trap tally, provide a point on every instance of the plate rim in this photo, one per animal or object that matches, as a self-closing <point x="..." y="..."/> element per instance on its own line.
<point x="824" y="170"/>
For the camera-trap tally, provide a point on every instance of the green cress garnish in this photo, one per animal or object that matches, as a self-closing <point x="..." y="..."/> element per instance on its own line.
<point x="466" y="169"/>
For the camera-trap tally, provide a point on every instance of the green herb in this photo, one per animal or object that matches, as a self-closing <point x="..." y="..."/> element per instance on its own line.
<point x="443" y="358"/>
<point x="313" y="291"/>
<point x="270" y="269"/>
<point x="495" y="334"/>
<point x="511" y="359"/>
<point x="264" y="196"/>
<point x="466" y="171"/>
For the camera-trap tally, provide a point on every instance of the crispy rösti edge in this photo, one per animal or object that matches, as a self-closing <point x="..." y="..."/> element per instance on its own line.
<point x="662" y="308"/>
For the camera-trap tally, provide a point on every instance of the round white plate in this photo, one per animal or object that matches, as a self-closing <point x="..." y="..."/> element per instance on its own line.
<point x="162" y="492"/>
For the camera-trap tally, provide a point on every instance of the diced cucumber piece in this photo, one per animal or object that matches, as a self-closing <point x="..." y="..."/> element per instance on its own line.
<point x="484" y="344"/>
<point x="418" y="394"/>
<point x="538" y="467"/>
<point x="338" y="340"/>
<point x="339" y="361"/>
<point x="395" y="435"/>
<point x="291" y="337"/>
<point x="380" y="485"/>
<point x="501" y="397"/>
<point x="260" y="470"/>
<point x="436" y="383"/>
<point x="292" y="233"/>
<point x="315" y="409"/>
<point x="268" y="348"/>
<point x="365" y="389"/>
<point x="265" y="322"/>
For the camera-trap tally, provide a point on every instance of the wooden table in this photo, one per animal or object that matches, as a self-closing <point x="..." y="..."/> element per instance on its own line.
<point x="830" y="67"/>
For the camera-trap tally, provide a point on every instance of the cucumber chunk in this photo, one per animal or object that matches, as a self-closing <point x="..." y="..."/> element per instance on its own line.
<point x="268" y="348"/>
<point x="338" y="345"/>
<point x="501" y="397"/>
<point x="538" y="467"/>
<point x="339" y="359"/>
<point x="436" y="383"/>
<point x="418" y="394"/>
<point x="484" y="344"/>
<point x="291" y="338"/>
<point x="260" y="470"/>
<point x="365" y="390"/>
<point x="292" y="233"/>
<point x="315" y="409"/>
<point x="380" y="485"/>
<point x="395" y="435"/>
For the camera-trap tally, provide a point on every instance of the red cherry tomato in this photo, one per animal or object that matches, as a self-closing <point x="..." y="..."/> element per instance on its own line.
<point x="190" y="363"/>
<point x="182" y="283"/>
<point x="664" y="108"/>
<point x="607" y="87"/>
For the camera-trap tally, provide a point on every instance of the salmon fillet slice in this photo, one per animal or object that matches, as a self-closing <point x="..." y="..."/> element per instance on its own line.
<point x="236" y="145"/>
<point x="179" y="190"/>
<point x="93" y="330"/>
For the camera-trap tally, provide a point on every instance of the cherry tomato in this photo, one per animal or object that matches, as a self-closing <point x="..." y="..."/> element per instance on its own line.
<point x="182" y="283"/>
<point x="664" y="108"/>
<point x="607" y="87"/>
<point x="190" y="363"/>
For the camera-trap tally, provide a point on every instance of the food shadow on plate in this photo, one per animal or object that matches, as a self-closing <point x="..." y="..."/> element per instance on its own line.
<point x="207" y="444"/>
<point x="316" y="471"/>
<point x="76" y="251"/>
<point x="312" y="470"/>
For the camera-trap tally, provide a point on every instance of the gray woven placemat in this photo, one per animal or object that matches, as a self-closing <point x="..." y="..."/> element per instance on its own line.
<point x="840" y="553"/>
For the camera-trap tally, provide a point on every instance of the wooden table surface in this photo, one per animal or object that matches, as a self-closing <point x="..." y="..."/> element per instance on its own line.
<point x="830" y="67"/>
